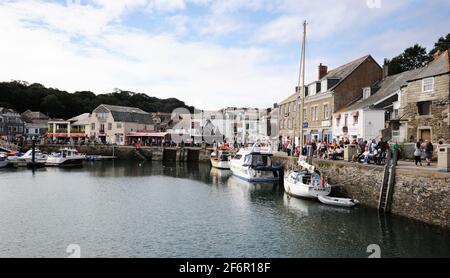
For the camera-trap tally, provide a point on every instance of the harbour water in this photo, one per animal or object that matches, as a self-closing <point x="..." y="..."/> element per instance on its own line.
<point x="130" y="209"/>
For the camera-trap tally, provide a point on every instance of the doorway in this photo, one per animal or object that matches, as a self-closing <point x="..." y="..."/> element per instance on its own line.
<point x="425" y="135"/>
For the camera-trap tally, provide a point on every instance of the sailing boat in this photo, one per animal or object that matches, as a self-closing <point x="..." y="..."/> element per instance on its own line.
<point x="308" y="182"/>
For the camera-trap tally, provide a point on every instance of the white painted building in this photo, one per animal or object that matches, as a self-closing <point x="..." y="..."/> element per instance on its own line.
<point x="363" y="123"/>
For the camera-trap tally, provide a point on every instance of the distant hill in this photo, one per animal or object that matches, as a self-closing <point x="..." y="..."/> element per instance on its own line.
<point x="22" y="96"/>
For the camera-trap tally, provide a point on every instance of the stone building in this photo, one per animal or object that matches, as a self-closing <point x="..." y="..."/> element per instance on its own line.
<point x="112" y="124"/>
<point x="332" y="91"/>
<point x="424" y="106"/>
<point x="11" y="124"/>
<point x="373" y="116"/>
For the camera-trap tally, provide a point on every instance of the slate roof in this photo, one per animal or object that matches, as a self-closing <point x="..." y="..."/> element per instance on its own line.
<point x="386" y="88"/>
<point x="437" y="67"/>
<point x="129" y="114"/>
<point x="342" y="72"/>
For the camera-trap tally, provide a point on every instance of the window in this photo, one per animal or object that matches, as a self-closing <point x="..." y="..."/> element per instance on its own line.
<point x="119" y="125"/>
<point x="366" y="92"/>
<point x="93" y="126"/>
<point x="346" y="120"/>
<point x="109" y="126"/>
<point x="326" y="112"/>
<point x="424" y="108"/>
<point x="323" y="86"/>
<point x="314" y="114"/>
<point x="428" y="85"/>
<point x="355" y="120"/>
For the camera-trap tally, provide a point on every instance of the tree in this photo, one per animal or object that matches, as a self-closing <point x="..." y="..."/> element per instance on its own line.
<point x="412" y="58"/>
<point x="441" y="45"/>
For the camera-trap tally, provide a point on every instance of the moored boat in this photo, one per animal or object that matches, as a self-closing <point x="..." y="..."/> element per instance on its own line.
<point x="306" y="183"/>
<point x="255" y="165"/>
<point x="339" y="202"/>
<point x="220" y="159"/>
<point x="3" y="161"/>
<point x="27" y="158"/>
<point x="66" y="158"/>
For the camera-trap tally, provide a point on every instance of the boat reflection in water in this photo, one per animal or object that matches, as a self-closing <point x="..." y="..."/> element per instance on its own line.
<point x="219" y="177"/>
<point x="243" y="185"/>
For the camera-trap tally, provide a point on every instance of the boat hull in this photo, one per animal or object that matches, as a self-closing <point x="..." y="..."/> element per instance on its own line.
<point x="338" y="202"/>
<point x="251" y="175"/>
<point x="3" y="163"/>
<point x="62" y="162"/>
<point x="301" y="190"/>
<point x="224" y="165"/>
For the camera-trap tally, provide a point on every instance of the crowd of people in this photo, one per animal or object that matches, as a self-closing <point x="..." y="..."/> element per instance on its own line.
<point x="371" y="151"/>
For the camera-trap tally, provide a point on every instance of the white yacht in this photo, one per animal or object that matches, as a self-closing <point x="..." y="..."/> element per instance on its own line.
<point x="255" y="165"/>
<point x="66" y="158"/>
<point x="24" y="160"/>
<point x="306" y="183"/>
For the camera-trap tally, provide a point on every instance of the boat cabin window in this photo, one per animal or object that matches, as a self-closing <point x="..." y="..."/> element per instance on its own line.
<point x="238" y="156"/>
<point x="260" y="160"/>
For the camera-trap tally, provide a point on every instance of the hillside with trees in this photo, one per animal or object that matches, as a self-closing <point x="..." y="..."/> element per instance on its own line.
<point x="22" y="96"/>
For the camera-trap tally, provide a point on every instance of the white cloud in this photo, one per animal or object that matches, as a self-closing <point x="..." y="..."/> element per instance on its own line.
<point x="203" y="74"/>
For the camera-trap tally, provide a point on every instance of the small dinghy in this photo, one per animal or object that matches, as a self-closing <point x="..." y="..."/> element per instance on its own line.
<point x="339" y="202"/>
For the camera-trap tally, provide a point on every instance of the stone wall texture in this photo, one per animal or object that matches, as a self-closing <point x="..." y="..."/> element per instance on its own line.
<point x="420" y="195"/>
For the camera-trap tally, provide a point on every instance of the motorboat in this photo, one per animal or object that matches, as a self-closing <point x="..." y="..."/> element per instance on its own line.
<point x="306" y="183"/>
<point x="339" y="202"/>
<point x="3" y="161"/>
<point x="255" y="164"/>
<point x="220" y="159"/>
<point x="27" y="158"/>
<point x="66" y="158"/>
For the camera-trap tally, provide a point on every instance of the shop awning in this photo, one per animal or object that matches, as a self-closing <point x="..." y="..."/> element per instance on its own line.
<point x="147" y="134"/>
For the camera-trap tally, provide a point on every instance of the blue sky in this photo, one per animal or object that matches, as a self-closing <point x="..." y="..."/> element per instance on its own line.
<point x="210" y="54"/>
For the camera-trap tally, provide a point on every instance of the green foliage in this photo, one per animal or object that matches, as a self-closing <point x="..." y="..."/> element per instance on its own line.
<point x="441" y="45"/>
<point x="21" y="96"/>
<point x="412" y="58"/>
<point x="416" y="56"/>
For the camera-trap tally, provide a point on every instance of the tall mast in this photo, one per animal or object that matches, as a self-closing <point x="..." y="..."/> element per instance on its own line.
<point x="301" y="88"/>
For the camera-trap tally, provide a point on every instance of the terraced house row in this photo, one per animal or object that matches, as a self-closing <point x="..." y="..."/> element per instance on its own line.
<point x="360" y="101"/>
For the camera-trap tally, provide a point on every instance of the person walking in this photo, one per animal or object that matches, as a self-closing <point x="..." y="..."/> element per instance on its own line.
<point x="428" y="152"/>
<point x="418" y="154"/>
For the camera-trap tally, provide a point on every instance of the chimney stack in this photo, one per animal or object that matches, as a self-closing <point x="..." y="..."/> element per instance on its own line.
<point x="436" y="55"/>
<point x="385" y="70"/>
<point x="323" y="70"/>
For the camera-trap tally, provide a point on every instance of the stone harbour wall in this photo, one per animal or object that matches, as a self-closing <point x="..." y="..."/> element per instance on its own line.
<point x="421" y="195"/>
<point x="130" y="153"/>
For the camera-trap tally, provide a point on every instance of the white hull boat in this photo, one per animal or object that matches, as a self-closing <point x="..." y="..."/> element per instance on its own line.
<point x="220" y="159"/>
<point x="255" y="165"/>
<point x="27" y="158"/>
<point x="66" y="158"/>
<point x="307" y="183"/>
<point x="339" y="202"/>
<point x="3" y="161"/>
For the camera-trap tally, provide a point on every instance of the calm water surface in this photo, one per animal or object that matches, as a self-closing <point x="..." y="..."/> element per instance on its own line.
<point x="127" y="209"/>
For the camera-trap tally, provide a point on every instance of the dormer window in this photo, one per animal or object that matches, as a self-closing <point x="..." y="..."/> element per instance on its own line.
<point x="428" y="85"/>
<point x="323" y="86"/>
<point x="367" y="92"/>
